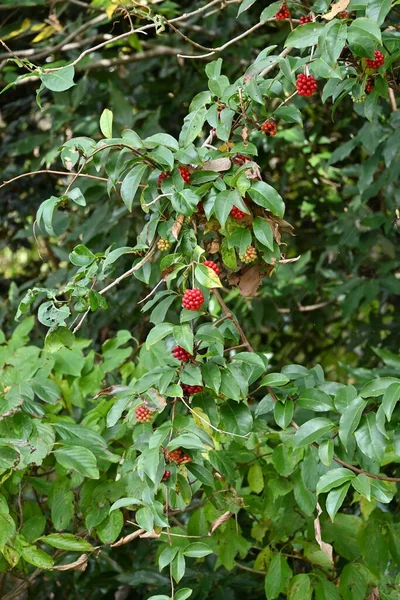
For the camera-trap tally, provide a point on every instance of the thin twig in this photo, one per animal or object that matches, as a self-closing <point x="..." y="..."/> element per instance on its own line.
<point x="212" y="426"/>
<point x="51" y="172"/>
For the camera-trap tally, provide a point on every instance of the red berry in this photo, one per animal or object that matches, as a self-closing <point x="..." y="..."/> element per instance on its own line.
<point x="173" y="456"/>
<point x="185" y="174"/>
<point x="185" y="458"/>
<point x="378" y="62"/>
<point x="306" y="19"/>
<point x="189" y="390"/>
<point x="283" y="13"/>
<point x="269" y="127"/>
<point x="161" y="177"/>
<point x="237" y="213"/>
<point x="166" y="476"/>
<point x="181" y="354"/>
<point x="143" y="414"/>
<point x="192" y="299"/>
<point x="306" y="85"/>
<point x="369" y="86"/>
<point x="240" y="159"/>
<point x="211" y="265"/>
<point x="344" y="14"/>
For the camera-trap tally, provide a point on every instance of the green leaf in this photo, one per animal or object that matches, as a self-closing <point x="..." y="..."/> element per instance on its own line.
<point x="263" y="232"/>
<point x="304" y="36"/>
<point x="236" y="417"/>
<point x="7" y="529"/>
<point x="369" y="439"/>
<point x="335" y="499"/>
<point x="362" y="484"/>
<point x="266" y="196"/>
<point x="67" y="541"/>
<point x="78" y="459"/>
<point x="300" y="588"/>
<point x="332" y="40"/>
<point x="283" y="413"/>
<point x="51" y="316"/>
<point x="290" y="114"/>
<point x="255" y="478"/>
<point x="334" y="478"/>
<point x="364" y="27"/>
<point x="191" y="375"/>
<point x="183" y="335"/>
<point x="106" y="122"/>
<point x="145" y="518"/>
<point x="315" y="400"/>
<point x="122" y="502"/>
<point x="270" y="11"/>
<point x="131" y="184"/>
<point x="224" y="202"/>
<point x="178" y="567"/>
<point x="311" y="431"/>
<point x="377" y="387"/>
<point x="192" y="126"/>
<point x="81" y="256"/>
<point x="111" y="527"/>
<point x="188" y="441"/>
<point x="274" y="380"/>
<point x="36" y="557"/>
<point x="162" y="139"/>
<point x="167" y="556"/>
<point x="390" y="398"/>
<point x="197" y="550"/>
<point x="350" y="419"/>
<point x="377" y="10"/>
<point x="325" y="452"/>
<point x="277" y="577"/>
<point x="325" y="590"/>
<point x="184" y="202"/>
<point x="207" y="277"/>
<point x="183" y="594"/>
<point x="59" y="338"/>
<point x="244" y="6"/>
<point x="201" y="473"/>
<point x="159" y="332"/>
<point x="60" y="80"/>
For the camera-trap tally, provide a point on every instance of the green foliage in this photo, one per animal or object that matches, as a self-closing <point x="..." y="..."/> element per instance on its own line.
<point x="253" y="471"/>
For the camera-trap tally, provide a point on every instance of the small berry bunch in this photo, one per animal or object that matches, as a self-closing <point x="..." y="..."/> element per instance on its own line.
<point x="163" y="244"/>
<point x="237" y="213"/>
<point x="306" y="19"/>
<point x="358" y="100"/>
<point x="181" y="354"/>
<point x="249" y="255"/>
<point x="166" y="476"/>
<point x="240" y="159"/>
<point x="185" y="174"/>
<point x="161" y="177"/>
<point x="212" y="265"/>
<point x="190" y="390"/>
<point x="306" y="85"/>
<point x="344" y="14"/>
<point x="192" y="299"/>
<point x="378" y="62"/>
<point x="369" y="86"/>
<point x="269" y="127"/>
<point x="143" y="414"/>
<point x="283" y="13"/>
<point x="176" y="456"/>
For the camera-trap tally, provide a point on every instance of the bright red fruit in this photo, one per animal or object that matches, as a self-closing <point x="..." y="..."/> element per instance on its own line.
<point x="189" y="390"/>
<point x="192" y="299"/>
<point x="185" y="458"/>
<point x="237" y="213"/>
<point x="143" y="414"/>
<point x="212" y="265"/>
<point x="369" y="86"/>
<point x="161" y="177"/>
<point x="269" y="127"/>
<point x="181" y="354"/>
<point x="166" y="476"/>
<point x="283" y="13"/>
<point x="306" y="19"/>
<point x="306" y="85"/>
<point x="378" y="62"/>
<point x="185" y="174"/>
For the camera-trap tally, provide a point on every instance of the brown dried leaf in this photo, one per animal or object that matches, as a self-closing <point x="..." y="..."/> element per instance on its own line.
<point x="127" y="538"/>
<point x="374" y="595"/>
<point x="336" y="9"/>
<point x="254" y="173"/>
<point x="218" y="522"/>
<point x="152" y="535"/>
<point x="177" y="226"/>
<point x="284" y="261"/>
<point x="326" y="548"/>
<point x="77" y="565"/>
<point x="219" y="164"/>
<point x="112" y="390"/>
<point x="155" y="401"/>
<point x="275" y="230"/>
<point x="249" y="281"/>
<point x="214" y="247"/>
<point x="245" y="135"/>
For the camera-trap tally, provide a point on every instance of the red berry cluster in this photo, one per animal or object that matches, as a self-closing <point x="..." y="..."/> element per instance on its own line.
<point x="166" y="476"/>
<point x="240" y="159"/>
<point x="211" y="265"/>
<point x="344" y="14"/>
<point x="143" y="414"/>
<point x="189" y="390"/>
<point x="237" y="213"/>
<point x="283" y="13"/>
<point x="369" y="86"/>
<point x="192" y="299"/>
<point x="161" y="177"/>
<point x="185" y="174"/>
<point x="306" y="19"/>
<point x="306" y="85"/>
<point x="181" y="354"/>
<point x="269" y="127"/>
<point x="378" y="62"/>
<point x="176" y="456"/>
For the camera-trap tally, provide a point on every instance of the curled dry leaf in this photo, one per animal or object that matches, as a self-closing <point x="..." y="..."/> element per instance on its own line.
<point x="112" y="390"/>
<point x="155" y="401"/>
<point x="374" y="595"/>
<point x="247" y="280"/>
<point x="326" y="548"/>
<point x="127" y="538"/>
<point x="337" y="7"/>
<point x="218" y="165"/>
<point x="245" y="135"/>
<point x="152" y="535"/>
<point x="177" y="226"/>
<point x="78" y="565"/>
<point x="218" y="522"/>
<point x="214" y="247"/>
<point x="254" y="173"/>
<point x="284" y="261"/>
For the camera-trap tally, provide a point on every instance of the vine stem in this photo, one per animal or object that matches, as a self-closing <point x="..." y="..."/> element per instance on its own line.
<point x="247" y="344"/>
